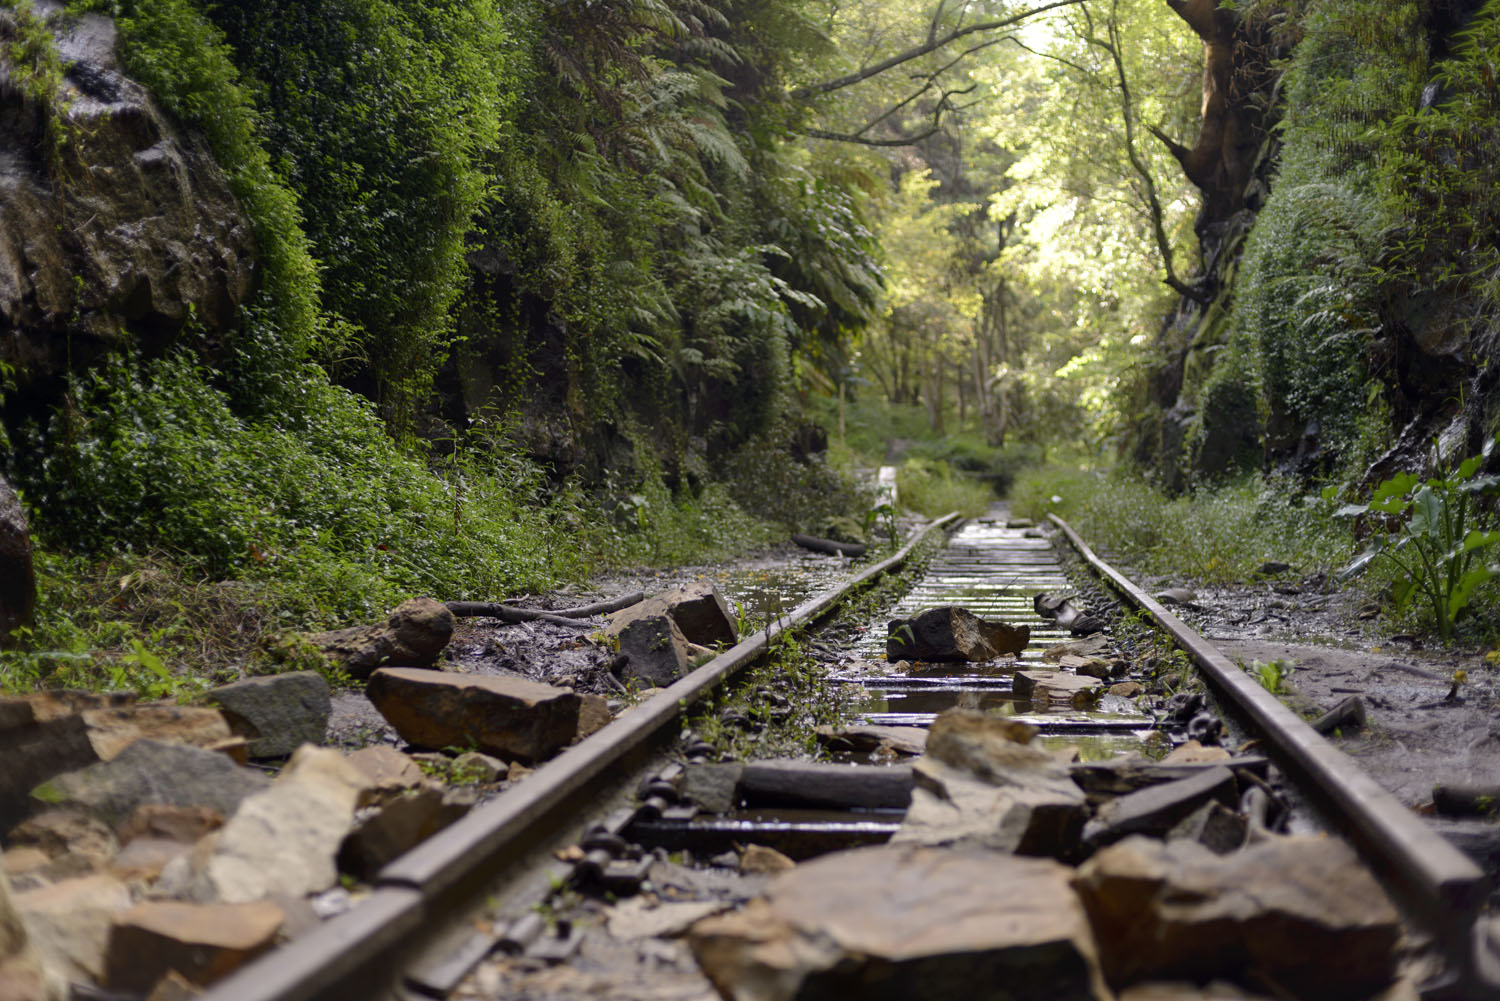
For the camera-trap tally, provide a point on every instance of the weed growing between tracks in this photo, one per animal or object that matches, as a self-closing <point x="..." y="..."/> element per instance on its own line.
<point x="775" y="710"/>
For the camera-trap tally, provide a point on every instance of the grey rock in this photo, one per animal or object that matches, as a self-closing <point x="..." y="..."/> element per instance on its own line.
<point x="952" y="633"/>
<point x="699" y="610"/>
<point x="17" y="575"/>
<point x="655" y="651"/>
<point x="277" y="713"/>
<point x="906" y="923"/>
<point x="1215" y="827"/>
<point x="1156" y="809"/>
<point x="715" y="788"/>
<point x="128" y="226"/>
<point x="148" y="771"/>
<point x="413" y="635"/>
<point x="1272" y="913"/>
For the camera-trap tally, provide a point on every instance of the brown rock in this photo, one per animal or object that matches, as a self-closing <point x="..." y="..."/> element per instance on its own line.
<point x="593" y="715"/>
<point x="1127" y="689"/>
<point x="905" y="740"/>
<point x="17" y="575"/>
<point x="654" y="650"/>
<point x="64" y="831"/>
<point x="413" y="635"/>
<point x="1156" y="809"/>
<point x="1194" y="753"/>
<point x="952" y="633"/>
<point x="698" y="609"/>
<point x="21" y="975"/>
<point x="44" y="735"/>
<point x="113" y="730"/>
<point x="16" y="861"/>
<point x="759" y="860"/>
<point x="69" y="923"/>
<point x="202" y="942"/>
<point x="511" y="718"/>
<point x="388" y="773"/>
<point x="174" y="987"/>
<point x="173" y="823"/>
<point x="1270" y="914"/>
<point x="390" y="829"/>
<point x="978" y="787"/>
<point x="1047" y="687"/>
<point x="906" y="923"/>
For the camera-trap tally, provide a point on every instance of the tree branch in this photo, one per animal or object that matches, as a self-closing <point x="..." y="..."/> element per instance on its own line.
<point x="933" y="44"/>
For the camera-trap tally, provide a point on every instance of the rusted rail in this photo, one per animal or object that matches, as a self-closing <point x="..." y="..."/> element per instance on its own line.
<point x="1444" y="888"/>
<point x="361" y="953"/>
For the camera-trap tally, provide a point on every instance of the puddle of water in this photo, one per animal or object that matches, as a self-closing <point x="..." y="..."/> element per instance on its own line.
<point x="760" y="593"/>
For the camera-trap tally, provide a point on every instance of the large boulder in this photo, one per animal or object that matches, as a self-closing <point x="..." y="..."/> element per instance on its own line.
<point x="148" y="771"/>
<point x="952" y="633"/>
<point x="981" y="784"/>
<point x="126" y="230"/>
<point x="1268" y="916"/>
<point x="278" y="713"/>
<point x="413" y="635"/>
<point x="906" y="923"/>
<point x="698" y="609"/>
<point x="512" y="718"/>
<point x="17" y="575"/>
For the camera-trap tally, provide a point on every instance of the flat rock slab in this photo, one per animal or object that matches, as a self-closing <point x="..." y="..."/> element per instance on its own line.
<point x="1272" y="914"/>
<point x="511" y="718"/>
<point x="655" y="651"/>
<point x="1056" y="686"/>
<point x="151" y="772"/>
<point x="907" y="740"/>
<point x="277" y="713"/>
<point x="1157" y="809"/>
<point x="202" y="942"/>
<point x="906" y="923"/>
<point x="1121" y="776"/>
<point x="952" y="633"/>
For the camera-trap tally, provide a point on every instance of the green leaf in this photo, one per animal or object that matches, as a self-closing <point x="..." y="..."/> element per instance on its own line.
<point x="1477" y="540"/>
<point x="1351" y="510"/>
<point x="1396" y="486"/>
<point x="1427" y="513"/>
<point x="1458" y="598"/>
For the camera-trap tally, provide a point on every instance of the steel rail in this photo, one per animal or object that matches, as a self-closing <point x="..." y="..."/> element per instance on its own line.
<point x="1445" y="888"/>
<point x="357" y="953"/>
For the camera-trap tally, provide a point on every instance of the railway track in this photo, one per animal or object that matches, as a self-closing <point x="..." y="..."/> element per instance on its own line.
<point x="471" y="891"/>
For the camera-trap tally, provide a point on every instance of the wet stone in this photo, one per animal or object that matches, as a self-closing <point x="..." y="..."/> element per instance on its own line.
<point x="698" y="610"/>
<point x="1046" y="687"/>
<point x="952" y="633"/>
<point x="714" y="788"/>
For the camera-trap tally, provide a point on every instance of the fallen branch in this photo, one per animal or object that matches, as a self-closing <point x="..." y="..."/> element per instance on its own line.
<point x="561" y="616"/>
<point x="829" y="546"/>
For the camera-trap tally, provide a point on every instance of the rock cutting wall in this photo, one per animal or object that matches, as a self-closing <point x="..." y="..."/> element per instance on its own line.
<point x="124" y="231"/>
